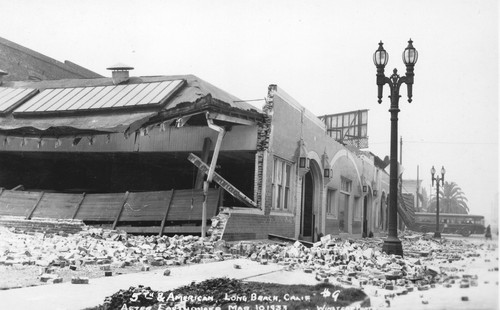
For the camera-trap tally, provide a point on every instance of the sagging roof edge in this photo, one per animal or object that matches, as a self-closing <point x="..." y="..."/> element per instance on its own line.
<point x="206" y="104"/>
<point x="127" y="124"/>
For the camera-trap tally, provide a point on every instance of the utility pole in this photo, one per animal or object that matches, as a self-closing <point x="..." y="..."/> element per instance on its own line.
<point x="417" y="190"/>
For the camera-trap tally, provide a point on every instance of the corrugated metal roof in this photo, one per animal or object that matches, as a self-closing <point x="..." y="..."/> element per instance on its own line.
<point x="194" y="89"/>
<point x="100" y="97"/>
<point x="9" y="97"/>
<point x="66" y="107"/>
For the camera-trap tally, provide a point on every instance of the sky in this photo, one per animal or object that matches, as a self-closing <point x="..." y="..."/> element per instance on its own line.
<point x="319" y="52"/>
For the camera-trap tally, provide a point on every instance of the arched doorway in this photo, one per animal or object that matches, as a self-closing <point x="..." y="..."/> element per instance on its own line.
<point x="307" y="214"/>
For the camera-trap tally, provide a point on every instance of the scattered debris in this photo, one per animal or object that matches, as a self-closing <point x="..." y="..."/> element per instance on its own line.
<point x="355" y="263"/>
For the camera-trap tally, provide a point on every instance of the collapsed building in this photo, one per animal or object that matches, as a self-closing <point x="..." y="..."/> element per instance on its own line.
<point x="123" y="150"/>
<point x="134" y="153"/>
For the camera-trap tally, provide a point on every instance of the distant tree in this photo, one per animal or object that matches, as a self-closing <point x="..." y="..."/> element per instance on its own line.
<point x="451" y="200"/>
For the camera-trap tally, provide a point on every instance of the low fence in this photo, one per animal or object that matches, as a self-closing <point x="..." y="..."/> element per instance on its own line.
<point x="174" y="211"/>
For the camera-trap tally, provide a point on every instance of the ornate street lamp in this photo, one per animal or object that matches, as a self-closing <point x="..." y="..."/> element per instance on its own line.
<point x="392" y="244"/>
<point x="437" y="234"/>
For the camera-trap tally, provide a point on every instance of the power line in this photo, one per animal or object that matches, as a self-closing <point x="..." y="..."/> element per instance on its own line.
<point x="263" y="99"/>
<point x="441" y="142"/>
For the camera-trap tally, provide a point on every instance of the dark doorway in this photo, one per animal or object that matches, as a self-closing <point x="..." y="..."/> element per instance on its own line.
<point x="307" y="220"/>
<point x="343" y="209"/>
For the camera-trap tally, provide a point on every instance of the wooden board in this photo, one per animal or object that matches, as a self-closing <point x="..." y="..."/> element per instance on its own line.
<point x="100" y="207"/>
<point x="147" y="206"/>
<point x="17" y="203"/>
<point x="187" y="205"/>
<point x="57" y="205"/>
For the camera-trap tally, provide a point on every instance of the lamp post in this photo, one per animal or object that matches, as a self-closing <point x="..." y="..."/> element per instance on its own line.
<point x="392" y="245"/>
<point x="437" y="234"/>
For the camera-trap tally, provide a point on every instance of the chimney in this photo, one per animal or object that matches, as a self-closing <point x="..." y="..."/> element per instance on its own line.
<point x="2" y="73"/>
<point x="120" y="73"/>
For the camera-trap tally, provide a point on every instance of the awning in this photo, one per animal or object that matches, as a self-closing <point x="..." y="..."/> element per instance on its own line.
<point x="72" y="125"/>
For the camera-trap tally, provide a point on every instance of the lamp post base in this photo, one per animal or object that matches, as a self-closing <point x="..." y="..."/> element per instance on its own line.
<point x="392" y="246"/>
<point x="437" y="234"/>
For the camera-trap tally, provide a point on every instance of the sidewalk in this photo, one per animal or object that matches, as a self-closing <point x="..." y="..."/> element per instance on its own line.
<point x="67" y="296"/>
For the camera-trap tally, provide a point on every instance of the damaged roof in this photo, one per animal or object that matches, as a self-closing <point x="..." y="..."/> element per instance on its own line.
<point x="59" y="107"/>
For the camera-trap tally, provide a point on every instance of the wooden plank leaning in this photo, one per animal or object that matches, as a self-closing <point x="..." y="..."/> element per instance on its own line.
<point x="169" y="203"/>
<point x="79" y="205"/>
<point x="205" y="153"/>
<point x="195" y="160"/>
<point x="30" y="214"/>
<point x="121" y="210"/>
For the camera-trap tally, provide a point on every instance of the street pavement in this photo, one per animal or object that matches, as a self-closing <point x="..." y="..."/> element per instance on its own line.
<point x="485" y="296"/>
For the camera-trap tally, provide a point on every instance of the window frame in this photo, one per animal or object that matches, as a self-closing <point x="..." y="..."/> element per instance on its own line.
<point x="332" y="203"/>
<point x="356" y="214"/>
<point x="281" y="184"/>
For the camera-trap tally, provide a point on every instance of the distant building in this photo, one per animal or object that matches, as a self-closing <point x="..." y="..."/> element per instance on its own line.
<point x="24" y="64"/>
<point x="413" y="188"/>
<point x="493" y="221"/>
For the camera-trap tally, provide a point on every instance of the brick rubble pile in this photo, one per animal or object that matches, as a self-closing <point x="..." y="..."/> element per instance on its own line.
<point x="108" y="249"/>
<point x="347" y="262"/>
<point x="427" y="262"/>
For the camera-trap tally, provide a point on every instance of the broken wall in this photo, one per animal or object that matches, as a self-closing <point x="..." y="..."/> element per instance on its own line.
<point x="289" y="122"/>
